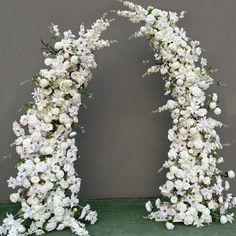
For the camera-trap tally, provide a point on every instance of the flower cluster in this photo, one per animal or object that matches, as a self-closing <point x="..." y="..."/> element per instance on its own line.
<point x="47" y="182"/>
<point x="195" y="192"/>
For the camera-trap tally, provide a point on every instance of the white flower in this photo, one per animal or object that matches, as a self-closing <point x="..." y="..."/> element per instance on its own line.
<point x="59" y="211"/>
<point x="58" y="45"/>
<point x="188" y="220"/>
<point x="196" y="91"/>
<point x="74" y="59"/>
<point x="198" y="51"/>
<point x="202" y="112"/>
<point x="43" y="83"/>
<point x="65" y="85"/>
<point x="51" y="226"/>
<point x="212" y="105"/>
<point x="92" y="217"/>
<point x="48" y="150"/>
<point x="175" y="65"/>
<point x="207" y="180"/>
<point x="179" y="82"/>
<point x="170" y="226"/>
<point x="173" y="199"/>
<point x="60" y="174"/>
<point x="72" y="134"/>
<point x="198" y="144"/>
<point x="217" y="111"/>
<point x="231" y="174"/>
<point x="14" y="197"/>
<point x="85" y="211"/>
<point x="223" y="219"/>
<point x="48" y="61"/>
<point x="35" y="179"/>
<point x="56" y="111"/>
<point x="156" y="12"/>
<point x="148" y="206"/>
<point x="150" y="19"/>
<point x="179" y="184"/>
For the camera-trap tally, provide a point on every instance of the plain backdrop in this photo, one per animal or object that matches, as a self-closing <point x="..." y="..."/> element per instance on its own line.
<point x="125" y="144"/>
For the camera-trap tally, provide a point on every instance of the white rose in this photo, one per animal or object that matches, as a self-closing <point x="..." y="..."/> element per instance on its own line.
<point x="202" y="112"/>
<point x="66" y="55"/>
<point x="181" y="207"/>
<point x="14" y="197"/>
<point x="179" y="82"/>
<point x="193" y="131"/>
<point x="188" y="220"/>
<point x="207" y="180"/>
<point x="41" y="166"/>
<point x="190" y="77"/>
<point x="173" y="199"/>
<point x="150" y="19"/>
<point x="65" y="84"/>
<point x="212" y="105"/>
<point x="47" y="119"/>
<point x="46" y="187"/>
<point x="217" y="111"/>
<point x="156" y="12"/>
<point x="58" y="45"/>
<point x="59" y="211"/>
<point x="181" y="100"/>
<point x="231" y="174"/>
<point x="63" y="118"/>
<point x="170" y="175"/>
<point x="60" y="174"/>
<point x="179" y="184"/>
<point x="175" y="65"/>
<point x="74" y="59"/>
<point x="170" y="226"/>
<point x="51" y="226"/>
<point x="48" y="61"/>
<point x="169" y="185"/>
<point x="196" y="91"/>
<point x="223" y="219"/>
<point x="56" y="111"/>
<point x="43" y="83"/>
<point x="173" y="47"/>
<point x="66" y="167"/>
<point x="172" y="153"/>
<point x="198" y="144"/>
<point x="48" y="150"/>
<point x="35" y="179"/>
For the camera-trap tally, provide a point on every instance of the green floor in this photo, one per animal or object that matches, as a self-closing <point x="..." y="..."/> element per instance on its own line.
<point x="125" y="218"/>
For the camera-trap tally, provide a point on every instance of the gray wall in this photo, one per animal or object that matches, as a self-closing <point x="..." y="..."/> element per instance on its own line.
<point x="125" y="144"/>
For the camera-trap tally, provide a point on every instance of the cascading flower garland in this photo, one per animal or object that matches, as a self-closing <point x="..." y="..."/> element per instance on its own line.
<point x="195" y="192"/>
<point x="47" y="181"/>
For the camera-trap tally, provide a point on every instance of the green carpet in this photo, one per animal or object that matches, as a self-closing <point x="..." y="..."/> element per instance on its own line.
<point x="125" y="218"/>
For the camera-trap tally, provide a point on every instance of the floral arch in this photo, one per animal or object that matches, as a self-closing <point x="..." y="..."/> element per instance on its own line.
<point x="196" y="191"/>
<point x="47" y="183"/>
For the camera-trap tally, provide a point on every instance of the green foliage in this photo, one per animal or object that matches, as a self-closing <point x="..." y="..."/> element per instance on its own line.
<point x="35" y="79"/>
<point x="47" y="48"/>
<point x="29" y="105"/>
